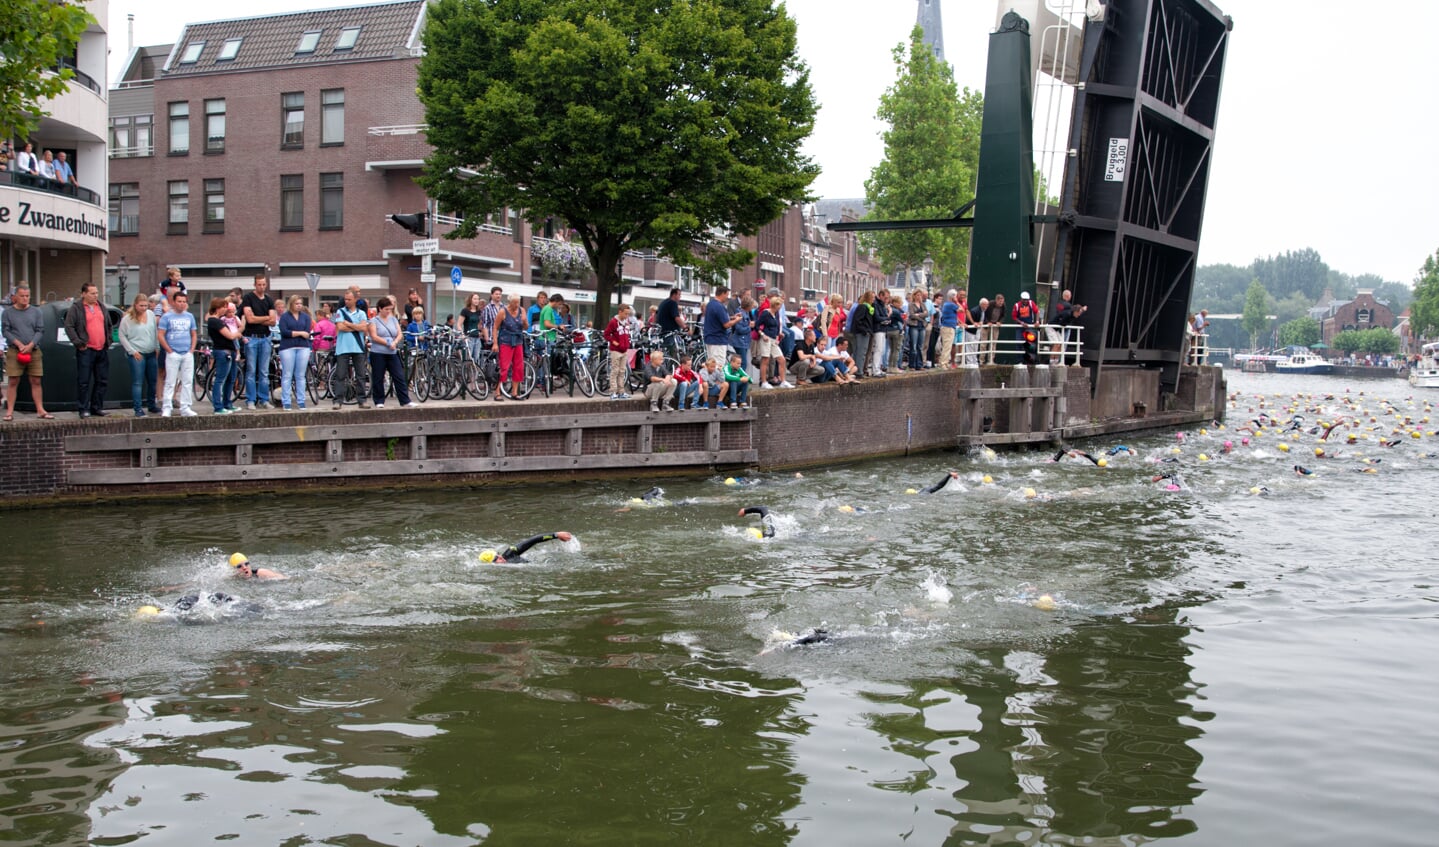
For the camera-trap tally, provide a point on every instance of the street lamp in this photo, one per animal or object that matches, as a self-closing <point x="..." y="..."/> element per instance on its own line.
<point x="124" y="276"/>
<point x="928" y="266"/>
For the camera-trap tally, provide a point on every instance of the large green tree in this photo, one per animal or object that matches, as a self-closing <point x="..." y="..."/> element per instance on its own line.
<point x="1424" y="311"/>
<point x="931" y="156"/>
<point x="671" y="125"/>
<point x="34" y="36"/>
<point x="1300" y="332"/>
<point x="1256" y="312"/>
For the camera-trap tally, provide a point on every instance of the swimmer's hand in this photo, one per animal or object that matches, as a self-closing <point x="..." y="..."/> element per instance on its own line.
<point x="564" y="536"/>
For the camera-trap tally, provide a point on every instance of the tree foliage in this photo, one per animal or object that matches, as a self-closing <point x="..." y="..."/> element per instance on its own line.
<point x="931" y="157"/>
<point x="1377" y="341"/>
<point x="670" y="124"/>
<point x="1424" y="312"/>
<point x="1296" y="280"/>
<point x="34" y="36"/>
<point x="1300" y="332"/>
<point x="1256" y="312"/>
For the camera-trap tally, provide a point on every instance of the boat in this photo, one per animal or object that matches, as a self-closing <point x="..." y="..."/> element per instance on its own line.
<point x="1304" y="362"/>
<point x="1425" y="372"/>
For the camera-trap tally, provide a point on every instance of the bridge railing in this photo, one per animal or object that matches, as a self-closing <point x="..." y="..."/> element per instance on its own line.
<point x="1055" y="345"/>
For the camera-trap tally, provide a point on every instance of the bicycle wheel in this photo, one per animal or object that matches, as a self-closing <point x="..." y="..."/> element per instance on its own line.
<point x="204" y="377"/>
<point x="581" y="376"/>
<point x="314" y="376"/>
<point x="473" y="380"/>
<point x="420" y="380"/>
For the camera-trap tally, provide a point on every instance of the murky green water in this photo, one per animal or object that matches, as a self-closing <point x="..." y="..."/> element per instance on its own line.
<point x="1215" y="666"/>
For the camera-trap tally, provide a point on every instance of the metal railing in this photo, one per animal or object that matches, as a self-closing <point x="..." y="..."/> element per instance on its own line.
<point x="50" y="186"/>
<point x="398" y="129"/>
<point x="1198" y="348"/>
<point x="79" y="76"/>
<point x="993" y="343"/>
<point x="132" y="152"/>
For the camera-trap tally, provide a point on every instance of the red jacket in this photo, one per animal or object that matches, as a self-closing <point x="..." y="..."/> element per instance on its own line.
<point x="618" y="336"/>
<point x="1025" y="312"/>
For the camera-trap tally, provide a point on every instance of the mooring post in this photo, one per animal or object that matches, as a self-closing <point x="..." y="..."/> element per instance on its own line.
<point x="1020" y="420"/>
<point x="1061" y="402"/>
<point x="1043" y="377"/>
<point x="971" y="409"/>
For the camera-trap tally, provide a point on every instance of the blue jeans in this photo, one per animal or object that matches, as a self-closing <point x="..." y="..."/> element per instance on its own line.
<point x="294" y="361"/>
<point x="142" y="379"/>
<point x="257" y="369"/>
<point x="738" y="392"/>
<point x="224" y="379"/>
<point x="689" y="389"/>
<point x="914" y="346"/>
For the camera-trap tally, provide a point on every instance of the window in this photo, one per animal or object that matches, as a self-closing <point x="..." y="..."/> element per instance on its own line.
<point x="131" y="136"/>
<point x="292" y="202"/>
<point x="179" y="129"/>
<point x="309" y="41"/>
<point x="332" y="201"/>
<point x="179" y="207"/>
<point x="348" y="36"/>
<point x="292" y="119"/>
<point x="332" y="116"/>
<point x="214" y="205"/>
<point x="192" y="53"/>
<point x="214" y="126"/>
<point x="230" y="50"/>
<point x="124" y="208"/>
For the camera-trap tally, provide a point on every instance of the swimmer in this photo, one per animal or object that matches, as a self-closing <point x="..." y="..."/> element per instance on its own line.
<point x="653" y="494"/>
<point x="781" y="640"/>
<point x="1328" y="428"/>
<point x="1300" y="470"/>
<point x="766" y="523"/>
<point x="224" y="604"/>
<point x="1120" y="448"/>
<point x="1260" y="491"/>
<point x="943" y="481"/>
<point x="1174" y="483"/>
<point x="515" y="552"/>
<point x="241" y="563"/>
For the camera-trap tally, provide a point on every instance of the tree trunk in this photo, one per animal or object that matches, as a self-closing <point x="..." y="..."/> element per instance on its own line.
<point x="607" y="262"/>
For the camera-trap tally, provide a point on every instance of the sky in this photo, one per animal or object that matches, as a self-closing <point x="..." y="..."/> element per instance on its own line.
<point x="1327" y="136"/>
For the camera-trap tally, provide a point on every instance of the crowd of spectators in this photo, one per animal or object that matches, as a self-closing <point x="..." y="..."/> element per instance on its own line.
<point x="48" y="169"/>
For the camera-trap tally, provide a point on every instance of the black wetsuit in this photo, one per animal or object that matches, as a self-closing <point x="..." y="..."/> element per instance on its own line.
<point x="943" y="481"/>
<point x="814" y="636"/>
<point x="766" y="522"/>
<point x="228" y="604"/>
<point x="653" y="494"/>
<point x="515" y="552"/>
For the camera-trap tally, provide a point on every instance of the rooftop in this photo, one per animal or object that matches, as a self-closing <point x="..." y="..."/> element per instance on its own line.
<point x="321" y="36"/>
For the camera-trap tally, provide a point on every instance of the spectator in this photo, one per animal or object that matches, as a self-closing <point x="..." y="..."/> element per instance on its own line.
<point x="533" y="315"/>
<point x="968" y="352"/>
<point x="64" y="174"/>
<point x="225" y="338"/>
<point x="1065" y="314"/>
<point x="472" y="322"/>
<point x="741" y="334"/>
<point x="47" y="166"/>
<point x="916" y="321"/>
<point x="837" y="363"/>
<point x="490" y="314"/>
<point x="417" y="331"/>
<point x="862" y="327"/>
<point x="948" y="326"/>
<point x="894" y="333"/>
<point x="352" y="329"/>
<point x="660" y="384"/>
<point x="832" y="319"/>
<point x="1201" y="322"/>
<point x="737" y="380"/>
<point x="176" y="333"/>
<point x="1026" y="314"/>
<point x="259" y="314"/>
<point x="936" y="312"/>
<point x="713" y="387"/>
<point x="669" y="319"/>
<point x="296" y="329"/>
<point x="550" y="320"/>
<point x="994" y="318"/>
<point x="385" y="337"/>
<point x="137" y="336"/>
<point x="767" y="322"/>
<point x="412" y="302"/>
<point x="324" y="337"/>
<point x="617" y="336"/>
<point x="509" y="344"/>
<point x="804" y="362"/>
<point x="22" y="326"/>
<point x="25" y="161"/>
<point x="717" y="324"/>
<point x="687" y="383"/>
<point x="87" y="324"/>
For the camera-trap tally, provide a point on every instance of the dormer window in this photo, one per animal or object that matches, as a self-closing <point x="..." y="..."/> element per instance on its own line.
<point x="309" y="41"/>
<point x="192" y="53"/>
<point x="230" y="50"/>
<point x="348" y="36"/>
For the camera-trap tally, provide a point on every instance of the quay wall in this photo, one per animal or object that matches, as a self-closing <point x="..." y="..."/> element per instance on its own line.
<point x="472" y="444"/>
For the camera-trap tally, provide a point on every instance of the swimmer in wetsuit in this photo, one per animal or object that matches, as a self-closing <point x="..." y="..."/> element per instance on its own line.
<point x="245" y="570"/>
<point x="766" y="522"/>
<point x="1300" y="470"/>
<point x="515" y="552"/>
<point x="1120" y="448"/>
<point x="943" y="481"/>
<point x="224" y="604"/>
<point x="653" y="494"/>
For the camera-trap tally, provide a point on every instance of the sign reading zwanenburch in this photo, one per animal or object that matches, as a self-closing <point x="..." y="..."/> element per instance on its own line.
<point x="58" y="218"/>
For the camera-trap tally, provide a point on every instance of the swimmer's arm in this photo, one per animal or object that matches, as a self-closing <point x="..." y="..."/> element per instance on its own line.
<point x="943" y="481"/>
<point x="520" y="548"/>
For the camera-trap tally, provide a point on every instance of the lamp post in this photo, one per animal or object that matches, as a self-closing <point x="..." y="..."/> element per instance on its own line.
<point x="123" y="276"/>
<point x="928" y="266"/>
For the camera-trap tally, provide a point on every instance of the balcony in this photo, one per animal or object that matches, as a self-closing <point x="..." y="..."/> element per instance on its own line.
<point x="392" y="148"/>
<point x="39" y="183"/>
<point x="43" y="213"/>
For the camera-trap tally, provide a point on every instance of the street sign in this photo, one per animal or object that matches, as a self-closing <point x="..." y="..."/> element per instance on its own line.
<point x="457" y="276"/>
<point x="427" y="278"/>
<point x="427" y="264"/>
<point x="425" y="246"/>
<point x="312" y="280"/>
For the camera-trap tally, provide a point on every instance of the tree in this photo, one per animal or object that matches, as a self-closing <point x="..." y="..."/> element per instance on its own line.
<point x="34" y="36"/>
<point x="1349" y="340"/>
<point x="672" y="125"/>
<point x="1301" y="270"/>
<point x="1255" y="320"/>
<point x="931" y="156"/>
<point x="1424" y="311"/>
<point x="1378" y="341"/>
<point x="1300" y="332"/>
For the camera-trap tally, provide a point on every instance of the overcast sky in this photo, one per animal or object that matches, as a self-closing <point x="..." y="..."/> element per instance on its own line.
<point x="1328" y="130"/>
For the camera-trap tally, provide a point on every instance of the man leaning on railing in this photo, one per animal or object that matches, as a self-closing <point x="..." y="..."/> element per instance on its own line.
<point x="1065" y="313"/>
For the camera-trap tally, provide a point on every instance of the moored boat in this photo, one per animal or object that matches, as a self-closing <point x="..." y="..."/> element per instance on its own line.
<point x="1304" y="362"/>
<point x="1425" y="373"/>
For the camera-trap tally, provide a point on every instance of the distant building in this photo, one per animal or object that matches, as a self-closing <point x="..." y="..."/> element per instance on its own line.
<point x="55" y="235"/>
<point x="1363" y="312"/>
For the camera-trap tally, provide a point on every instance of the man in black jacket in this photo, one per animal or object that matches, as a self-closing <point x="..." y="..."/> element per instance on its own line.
<point x="87" y="325"/>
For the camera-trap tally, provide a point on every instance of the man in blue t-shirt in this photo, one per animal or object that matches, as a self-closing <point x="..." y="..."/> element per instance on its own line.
<point x="176" y="331"/>
<point x="717" y="323"/>
<point x="352" y="326"/>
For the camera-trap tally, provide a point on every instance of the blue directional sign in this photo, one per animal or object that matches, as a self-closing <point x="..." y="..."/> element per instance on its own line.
<point x="456" y="277"/>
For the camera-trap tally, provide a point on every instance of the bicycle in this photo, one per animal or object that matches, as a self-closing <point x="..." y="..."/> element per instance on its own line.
<point x="358" y="389"/>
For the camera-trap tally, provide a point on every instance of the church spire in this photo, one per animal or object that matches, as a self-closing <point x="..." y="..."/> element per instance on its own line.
<point x="933" y="25"/>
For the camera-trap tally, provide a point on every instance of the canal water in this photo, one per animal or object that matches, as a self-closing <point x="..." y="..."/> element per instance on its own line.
<point x="1041" y="652"/>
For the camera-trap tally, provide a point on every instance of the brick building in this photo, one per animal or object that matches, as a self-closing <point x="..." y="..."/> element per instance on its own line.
<point x="1361" y="313"/>
<point x="281" y="144"/>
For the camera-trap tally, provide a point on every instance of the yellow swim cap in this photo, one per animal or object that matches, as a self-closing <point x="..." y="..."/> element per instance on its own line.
<point x="147" y="611"/>
<point x="488" y="556"/>
<point x="731" y="481"/>
<point x="846" y="509"/>
<point x="238" y="559"/>
<point x="1103" y="463"/>
<point x="911" y="491"/>
<point x="1284" y="448"/>
<point x="988" y="480"/>
<point x="1319" y="451"/>
<point x="1045" y="603"/>
<point x="1029" y="493"/>
<point x="1203" y="457"/>
<point x="756" y="532"/>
